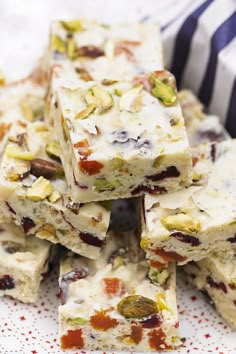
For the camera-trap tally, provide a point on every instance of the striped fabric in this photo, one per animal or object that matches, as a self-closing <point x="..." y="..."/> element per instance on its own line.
<point x="200" y="49"/>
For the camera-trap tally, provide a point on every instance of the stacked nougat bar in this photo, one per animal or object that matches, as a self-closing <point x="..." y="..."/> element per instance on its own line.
<point x="121" y="131"/>
<point x="196" y="225"/>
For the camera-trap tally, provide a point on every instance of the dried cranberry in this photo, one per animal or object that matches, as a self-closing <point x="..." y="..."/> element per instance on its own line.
<point x="186" y="238"/>
<point x="152" y="322"/>
<point x="91" y="239"/>
<point x="213" y="152"/>
<point x="27" y="224"/>
<point x="214" y="284"/>
<point x="148" y="189"/>
<point x="232" y="239"/>
<point x="70" y="277"/>
<point x="6" y="282"/>
<point x="234" y="301"/>
<point x="10" y="208"/>
<point x="143" y="143"/>
<point x="169" y="172"/>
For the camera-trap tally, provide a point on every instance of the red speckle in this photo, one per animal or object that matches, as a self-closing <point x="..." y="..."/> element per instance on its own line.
<point x="207" y="335"/>
<point x="22" y="318"/>
<point x="177" y="325"/>
<point x="34" y="352"/>
<point x="193" y="298"/>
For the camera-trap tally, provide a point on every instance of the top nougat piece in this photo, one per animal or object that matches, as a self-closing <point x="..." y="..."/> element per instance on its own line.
<point x="123" y="139"/>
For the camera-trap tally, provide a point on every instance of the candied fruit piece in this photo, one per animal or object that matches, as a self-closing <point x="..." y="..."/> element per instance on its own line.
<point x="102" y="322"/>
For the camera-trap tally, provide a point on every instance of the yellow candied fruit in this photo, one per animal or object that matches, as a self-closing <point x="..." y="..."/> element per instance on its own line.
<point x="144" y="243"/>
<point x="161" y="303"/>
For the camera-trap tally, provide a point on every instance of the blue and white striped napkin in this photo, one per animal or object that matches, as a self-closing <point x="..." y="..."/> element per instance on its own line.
<point x="200" y="49"/>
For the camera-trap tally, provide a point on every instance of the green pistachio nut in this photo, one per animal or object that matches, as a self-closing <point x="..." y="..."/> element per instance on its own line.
<point x="164" y="92"/>
<point x="40" y="190"/>
<point x="181" y="222"/>
<point x="137" y="306"/>
<point x="102" y="185"/>
<point x="72" y="26"/>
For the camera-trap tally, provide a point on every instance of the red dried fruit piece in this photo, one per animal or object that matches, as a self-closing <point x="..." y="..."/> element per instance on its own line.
<point x="214" y="284"/>
<point x="102" y="322"/>
<point x="7" y="283"/>
<point x="169" y="256"/>
<point x="27" y="224"/>
<point x="157" y="340"/>
<point x="91" y="239"/>
<point x="169" y="172"/>
<point x="91" y="167"/>
<point x="152" y="322"/>
<point x="136" y="333"/>
<point x="157" y="264"/>
<point x="114" y="287"/>
<point x="83" y="147"/>
<point x="148" y="189"/>
<point x="73" y="339"/>
<point x="186" y="238"/>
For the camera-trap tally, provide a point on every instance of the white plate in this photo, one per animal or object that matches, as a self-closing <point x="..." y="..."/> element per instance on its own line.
<point x="33" y="329"/>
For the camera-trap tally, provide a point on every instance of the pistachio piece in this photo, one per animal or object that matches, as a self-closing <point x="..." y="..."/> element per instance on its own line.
<point x="137" y="306"/>
<point x="47" y="169"/>
<point x="84" y="74"/>
<point x="54" y="197"/>
<point x="181" y="222"/>
<point x="107" y="82"/>
<point x="233" y="282"/>
<point x="40" y="189"/>
<point x="158" y="161"/>
<point x="102" y="184"/>
<point x="72" y="51"/>
<point x="27" y="111"/>
<point x="118" y="92"/>
<point x="77" y="321"/>
<point x="17" y="153"/>
<point x="58" y="44"/>
<point x="100" y="98"/>
<point x="86" y="112"/>
<point x="117" y="163"/>
<point x="163" y="91"/>
<point x="72" y="26"/>
<point x="46" y="231"/>
<point x="158" y="276"/>
<point x="53" y="150"/>
<point x="131" y="100"/>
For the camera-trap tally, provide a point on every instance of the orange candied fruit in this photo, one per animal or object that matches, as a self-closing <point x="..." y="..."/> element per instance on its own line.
<point x="157" y="340"/>
<point x="91" y="167"/>
<point x="169" y="256"/>
<point x="73" y="339"/>
<point x="83" y="147"/>
<point x="136" y="333"/>
<point x="114" y="286"/>
<point x="102" y="322"/>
